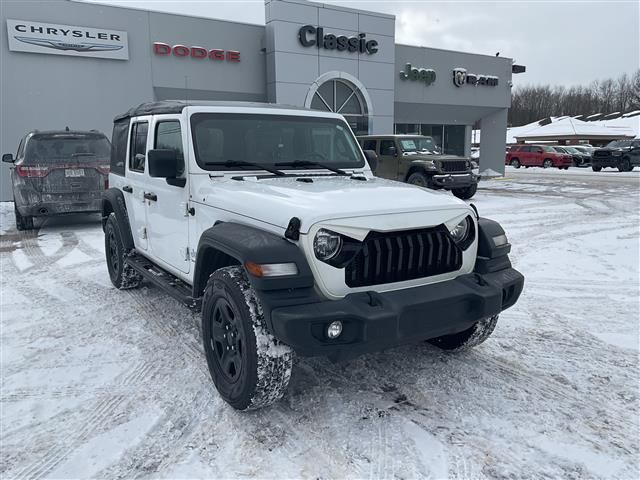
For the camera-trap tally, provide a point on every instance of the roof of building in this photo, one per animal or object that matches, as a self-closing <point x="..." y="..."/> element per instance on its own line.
<point x="176" y="106"/>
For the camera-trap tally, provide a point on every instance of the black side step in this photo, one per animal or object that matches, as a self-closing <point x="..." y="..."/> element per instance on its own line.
<point x="164" y="280"/>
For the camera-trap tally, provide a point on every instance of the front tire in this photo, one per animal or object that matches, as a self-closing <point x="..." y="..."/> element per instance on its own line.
<point x="547" y="163"/>
<point x="122" y="276"/>
<point x="249" y="367"/>
<point x="23" y="222"/>
<point x="596" y="169"/>
<point x="469" y="338"/>
<point x="515" y="163"/>
<point x="465" y="193"/>
<point x="419" y="179"/>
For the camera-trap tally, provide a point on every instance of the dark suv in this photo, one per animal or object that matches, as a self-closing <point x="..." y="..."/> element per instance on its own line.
<point x="416" y="159"/>
<point x="620" y="154"/>
<point x="57" y="172"/>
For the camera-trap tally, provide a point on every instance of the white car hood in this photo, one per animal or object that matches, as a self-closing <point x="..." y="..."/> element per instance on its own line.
<point x="277" y="200"/>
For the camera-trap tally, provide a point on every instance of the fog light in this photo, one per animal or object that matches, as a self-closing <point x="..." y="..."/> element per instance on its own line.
<point x="335" y="329"/>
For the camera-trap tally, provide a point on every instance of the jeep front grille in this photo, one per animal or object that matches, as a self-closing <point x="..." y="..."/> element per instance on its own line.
<point x="601" y="153"/>
<point x="399" y="256"/>
<point x="454" y="166"/>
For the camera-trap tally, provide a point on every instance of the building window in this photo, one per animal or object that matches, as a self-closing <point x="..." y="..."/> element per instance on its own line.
<point x="342" y="97"/>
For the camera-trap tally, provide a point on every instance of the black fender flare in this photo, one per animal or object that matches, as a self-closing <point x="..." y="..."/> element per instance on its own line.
<point x="493" y="247"/>
<point x="229" y="241"/>
<point x="113" y="202"/>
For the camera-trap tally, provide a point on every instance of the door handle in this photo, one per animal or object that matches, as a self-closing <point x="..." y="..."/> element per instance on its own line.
<point x="150" y="196"/>
<point x="127" y="189"/>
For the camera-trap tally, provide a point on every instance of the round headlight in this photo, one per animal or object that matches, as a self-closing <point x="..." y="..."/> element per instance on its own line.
<point x="326" y="245"/>
<point x="461" y="230"/>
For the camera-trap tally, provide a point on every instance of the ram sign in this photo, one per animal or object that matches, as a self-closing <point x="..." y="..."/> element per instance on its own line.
<point x="51" y="38"/>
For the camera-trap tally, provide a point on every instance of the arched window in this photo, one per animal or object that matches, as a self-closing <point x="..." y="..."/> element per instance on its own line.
<point x="340" y="96"/>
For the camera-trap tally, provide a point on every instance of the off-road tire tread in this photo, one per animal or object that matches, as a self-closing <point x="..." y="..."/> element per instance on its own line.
<point x="465" y="193"/>
<point x="469" y="338"/>
<point x="127" y="278"/>
<point x="23" y="222"/>
<point x="274" y="359"/>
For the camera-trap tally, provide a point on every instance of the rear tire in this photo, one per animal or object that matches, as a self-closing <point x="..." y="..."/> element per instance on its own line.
<point x="547" y="163"/>
<point x="465" y="193"/>
<point x="469" y="338"/>
<point x="515" y="163"/>
<point x="419" y="179"/>
<point x="23" y="222"/>
<point x="625" y="166"/>
<point x="596" y="169"/>
<point x="249" y="367"/>
<point x="122" y="276"/>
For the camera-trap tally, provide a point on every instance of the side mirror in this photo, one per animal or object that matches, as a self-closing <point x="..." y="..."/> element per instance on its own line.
<point x="163" y="163"/>
<point x="7" y="158"/>
<point x="372" y="159"/>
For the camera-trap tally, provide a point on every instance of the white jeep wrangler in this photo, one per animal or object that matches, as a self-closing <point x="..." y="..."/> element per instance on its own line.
<point x="269" y="221"/>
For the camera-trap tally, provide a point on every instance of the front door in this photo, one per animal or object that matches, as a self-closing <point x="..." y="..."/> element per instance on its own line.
<point x="167" y="215"/>
<point x="387" y="159"/>
<point x="135" y="175"/>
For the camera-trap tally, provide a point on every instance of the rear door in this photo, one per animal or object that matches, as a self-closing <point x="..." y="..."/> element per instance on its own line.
<point x="524" y="155"/>
<point x="136" y="179"/>
<point x="167" y="216"/>
<point x="387" y="160"/>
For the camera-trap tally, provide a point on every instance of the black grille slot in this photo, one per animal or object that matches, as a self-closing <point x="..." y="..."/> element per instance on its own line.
<point x="601" y="153"/>
<point x="454" y="166"/>
<point x="399" y="256"/>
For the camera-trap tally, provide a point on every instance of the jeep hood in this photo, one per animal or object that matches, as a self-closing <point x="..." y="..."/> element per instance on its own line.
<point x="276" y="200"/>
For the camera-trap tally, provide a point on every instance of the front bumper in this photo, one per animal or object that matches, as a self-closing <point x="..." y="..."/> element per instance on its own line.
<point x="375" y="321"/>
<point x="606" y="161"/>
<point x="450" y="181"/>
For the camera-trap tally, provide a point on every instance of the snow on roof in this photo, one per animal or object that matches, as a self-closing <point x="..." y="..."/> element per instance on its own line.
<point x="572" y="128"/>
<point x="595" y="115"/>
<point x="623" y="124"/>
<point x="631" y="114"/>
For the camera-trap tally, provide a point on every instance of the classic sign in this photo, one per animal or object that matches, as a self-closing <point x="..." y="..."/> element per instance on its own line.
<point x="426" y="75"/>
<point x="310" y="36"/>
<point x="55" y="39"/>
<point x="461" y="76"/>
<point x="160" y="48"/>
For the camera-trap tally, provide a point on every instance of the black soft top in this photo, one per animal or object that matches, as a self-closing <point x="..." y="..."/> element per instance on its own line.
<point x="176" y="106"/>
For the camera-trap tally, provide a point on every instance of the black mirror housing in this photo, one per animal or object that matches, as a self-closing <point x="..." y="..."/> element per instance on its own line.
<point x="163" y="163"/>
<point x="391" y="151"/>
<point x="372" y="159"/>
<point x="7" y="158"/>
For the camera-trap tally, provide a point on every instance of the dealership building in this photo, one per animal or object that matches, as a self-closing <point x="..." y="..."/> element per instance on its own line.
<point x="68" y="63"/>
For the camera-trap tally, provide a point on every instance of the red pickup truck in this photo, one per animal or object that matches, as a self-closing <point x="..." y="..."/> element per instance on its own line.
<point x="537" y="156"/>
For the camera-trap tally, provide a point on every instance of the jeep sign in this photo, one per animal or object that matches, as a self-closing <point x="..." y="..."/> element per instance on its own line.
<point x="426" y="75"/>
<point x="55" y="39"/>
<point x="310" y="36"/>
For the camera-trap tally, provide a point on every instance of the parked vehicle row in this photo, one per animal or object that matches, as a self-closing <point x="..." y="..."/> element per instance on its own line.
<point x="621" y="154"/>
<point x="544" y="156"/>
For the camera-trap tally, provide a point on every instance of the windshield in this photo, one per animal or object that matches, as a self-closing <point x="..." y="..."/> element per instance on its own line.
<point x="559" y="149"/>
<point x="418" y="145"/>
<point x="270" y="139"/>
<point x="571" y="150"/>
<point x="620" y="144"/>
<point x="63" y="147"/>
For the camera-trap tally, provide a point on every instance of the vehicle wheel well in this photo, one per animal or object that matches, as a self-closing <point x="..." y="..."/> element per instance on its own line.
<point x="107" y="209"/>
<point x="413" y="170"/>
<point x="210" y="259"/>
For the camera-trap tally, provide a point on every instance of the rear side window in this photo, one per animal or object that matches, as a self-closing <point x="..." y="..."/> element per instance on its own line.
<point x="525" y="149"/>
<point x="385" y="145"/>
<point x="369" y="145"/>
<point x="119" y="146"/>
<point x="169" y="137"/>
<point x="138" y="148"/>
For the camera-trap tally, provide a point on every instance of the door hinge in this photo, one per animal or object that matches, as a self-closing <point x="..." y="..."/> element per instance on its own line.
<point x="143" y="233"/>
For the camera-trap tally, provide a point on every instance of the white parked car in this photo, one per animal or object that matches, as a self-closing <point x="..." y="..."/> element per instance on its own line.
<point x="270" y="222"/>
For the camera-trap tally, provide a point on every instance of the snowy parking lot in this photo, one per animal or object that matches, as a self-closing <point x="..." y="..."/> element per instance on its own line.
<point x="97" y="382"/>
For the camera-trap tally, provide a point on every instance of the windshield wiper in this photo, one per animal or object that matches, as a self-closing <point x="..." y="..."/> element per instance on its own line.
<point x="308" y="163"/>
<point x="242" y="163"/>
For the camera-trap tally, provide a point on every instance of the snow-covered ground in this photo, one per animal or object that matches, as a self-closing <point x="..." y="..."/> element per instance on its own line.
<point x="97" y="382"/>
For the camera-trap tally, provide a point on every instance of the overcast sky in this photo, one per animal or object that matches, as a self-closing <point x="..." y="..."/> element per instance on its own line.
<point x="560" y="42"/>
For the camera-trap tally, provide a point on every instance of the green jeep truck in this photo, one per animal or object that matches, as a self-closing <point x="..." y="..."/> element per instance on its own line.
<point x="417" y="160"/>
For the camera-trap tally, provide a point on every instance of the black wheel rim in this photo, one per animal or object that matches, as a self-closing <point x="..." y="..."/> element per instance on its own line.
<point x="227" y="339"/>
<point x="112" y="251"/>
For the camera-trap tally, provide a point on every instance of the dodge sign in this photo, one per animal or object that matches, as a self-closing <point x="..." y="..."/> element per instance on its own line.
<point x="38" y="37"/>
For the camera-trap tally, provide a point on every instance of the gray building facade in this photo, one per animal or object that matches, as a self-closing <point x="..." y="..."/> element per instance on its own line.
<point x="67" y="63"/>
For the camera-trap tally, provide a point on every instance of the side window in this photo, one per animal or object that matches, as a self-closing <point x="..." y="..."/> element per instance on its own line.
<point x="169" y="137"/>
<point x="138" y="146"/>
<point x="385" y="145"/>
<point x="369" y="145"/>
<point x="119" y="146"/>
<point x="20" y="148"/>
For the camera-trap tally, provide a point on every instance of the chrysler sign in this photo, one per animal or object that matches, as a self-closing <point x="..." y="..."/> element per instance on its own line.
<point x="55" y="39"/>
